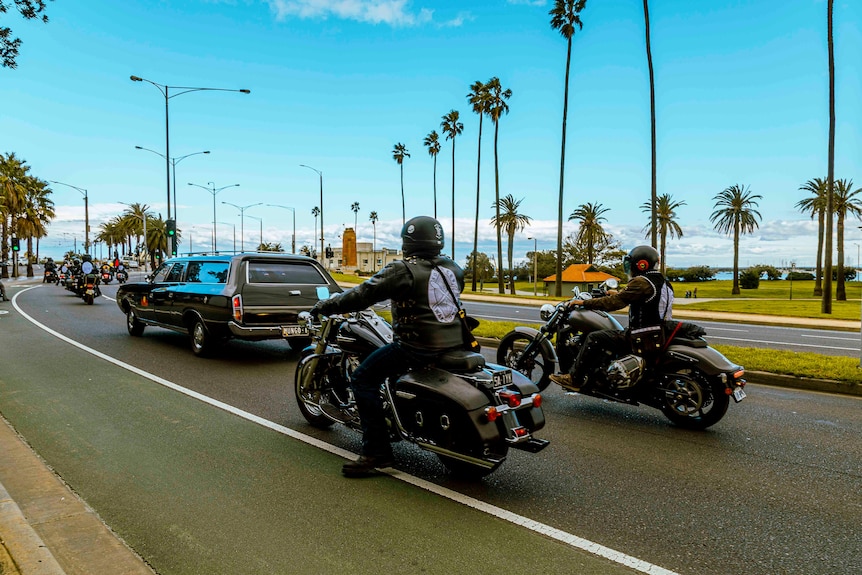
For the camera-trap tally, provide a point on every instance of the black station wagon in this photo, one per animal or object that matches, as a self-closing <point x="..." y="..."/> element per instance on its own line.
<point x="251" y="296"/>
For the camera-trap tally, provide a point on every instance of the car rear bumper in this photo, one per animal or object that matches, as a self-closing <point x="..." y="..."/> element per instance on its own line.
<point x="254" y="332"/>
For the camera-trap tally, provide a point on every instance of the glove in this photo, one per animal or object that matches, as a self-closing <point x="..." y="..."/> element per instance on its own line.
<point x="316" y="310"/>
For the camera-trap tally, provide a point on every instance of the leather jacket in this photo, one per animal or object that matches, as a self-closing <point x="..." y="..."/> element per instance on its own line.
<point x="424" y="313"/>
<point x="649" y="297"/>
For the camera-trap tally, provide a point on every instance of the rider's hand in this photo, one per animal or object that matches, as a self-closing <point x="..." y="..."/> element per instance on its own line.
<point x="575" y="303"/>
<point x="316" y="310"/>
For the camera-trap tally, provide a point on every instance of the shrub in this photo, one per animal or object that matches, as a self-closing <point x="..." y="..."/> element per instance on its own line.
<point x="749" y="279"/>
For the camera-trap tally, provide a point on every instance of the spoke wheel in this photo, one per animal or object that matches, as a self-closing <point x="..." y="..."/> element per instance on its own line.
<point x="308" y="399"/>
<point x="536" y="366"/>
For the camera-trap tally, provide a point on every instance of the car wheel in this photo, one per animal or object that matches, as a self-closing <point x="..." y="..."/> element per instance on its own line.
<point x="203" y="343"/>
<point x="135" y="327"/>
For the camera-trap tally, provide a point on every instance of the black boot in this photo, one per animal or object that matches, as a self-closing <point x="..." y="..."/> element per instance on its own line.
<point x="366" y="465"/>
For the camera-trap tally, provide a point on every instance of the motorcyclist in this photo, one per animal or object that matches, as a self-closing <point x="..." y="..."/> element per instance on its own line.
<point x="3" y="292"/>
<point x="51" y="267"/>
<point x="650" y="299"/>
<point x="87" y="268"/>
<point x="424" y="321"/>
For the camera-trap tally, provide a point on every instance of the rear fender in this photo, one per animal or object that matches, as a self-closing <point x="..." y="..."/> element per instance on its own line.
<point x="707" y="359"/>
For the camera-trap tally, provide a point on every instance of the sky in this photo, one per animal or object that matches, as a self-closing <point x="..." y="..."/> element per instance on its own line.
<point x="741" y="96"/>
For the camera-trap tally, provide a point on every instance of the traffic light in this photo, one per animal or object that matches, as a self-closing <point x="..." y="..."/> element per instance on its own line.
<point x="16" y="245"/>
<point x="173" y="245"/>
<point x="329" y="252"/>
<point x="171" y="227"/>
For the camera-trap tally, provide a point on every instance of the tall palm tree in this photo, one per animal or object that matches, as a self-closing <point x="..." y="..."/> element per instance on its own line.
<point x="509" y="218"/>
<point x="565" y="17"/>
<point x="846" y="202"/>
<point x="38" y="212"/>
<point x="373" y="217"/>
<point x="653" y="199"/>
<point x="816" y="206"/>
<point x="315" y="211"/>
<point x="735" y="214"/>
<point x="590" y="231"/>
<point x="663" y="216"/>
<point x="14" y="181"/>
<point x="452" y="127"/>
<point x="496" y="108"/>
<point x="479" y="99"/>
<point x="826" y="304"/>
<point x="399" y="153"/>
<point x="432" y="142"/>
<point x="355" y="208"/>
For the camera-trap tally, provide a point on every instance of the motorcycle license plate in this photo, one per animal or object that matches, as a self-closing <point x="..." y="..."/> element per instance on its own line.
<point x="501" y="378"/>
<point x="738" y="394"/>
<point x="293" y="330"/>
<point x="90" y="292"/>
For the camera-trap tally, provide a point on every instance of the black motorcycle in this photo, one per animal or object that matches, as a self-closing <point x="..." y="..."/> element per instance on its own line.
<point x="671" y="369"/>
<point x="49" y="277"/>
<point x="466" y="412"/>
<point x="122" y="276"/>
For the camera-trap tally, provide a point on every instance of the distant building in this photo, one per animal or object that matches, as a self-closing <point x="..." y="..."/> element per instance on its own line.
<point x="355" y="256"/>
<point x="581" y="277"/>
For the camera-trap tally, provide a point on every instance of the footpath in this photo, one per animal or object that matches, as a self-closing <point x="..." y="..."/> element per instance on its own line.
<point x="75" y="541"/>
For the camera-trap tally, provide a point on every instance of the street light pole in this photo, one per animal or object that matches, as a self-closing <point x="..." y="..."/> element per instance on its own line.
<point x="165" y="90"/>
<point x="86" y="213"/>
<point x="174" y="162"/>
<point x="210" y="187"/>
<point x="319" y="173"/>
<point x="261" y="228"/>
<point x="234" y="233"/>
<point x="242" y="210"/>
<point x="535" y="279"/>
<point x="293" y="235"/>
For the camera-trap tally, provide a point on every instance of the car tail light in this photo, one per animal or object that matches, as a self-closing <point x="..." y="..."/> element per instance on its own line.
<point x="236" y="303"/>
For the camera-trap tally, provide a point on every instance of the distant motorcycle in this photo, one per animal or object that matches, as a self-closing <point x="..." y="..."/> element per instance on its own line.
<point x="122" y="276"/>
<point x="90" y="288"/>
<point x="49" y="277"/>
<point x="685" y="378"/>
<point x="106" y="277"/>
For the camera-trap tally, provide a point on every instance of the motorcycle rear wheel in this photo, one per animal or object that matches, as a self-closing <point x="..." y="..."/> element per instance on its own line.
<point x="692" y="401"/>
<point x="537" y="366"/>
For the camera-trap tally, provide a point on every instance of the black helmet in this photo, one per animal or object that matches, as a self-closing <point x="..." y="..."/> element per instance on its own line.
<point x="640" y="260"/>
<point x="422" y="236"/>
<point x="86" y="258"/>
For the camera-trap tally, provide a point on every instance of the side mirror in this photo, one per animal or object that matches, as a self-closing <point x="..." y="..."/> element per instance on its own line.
<point x="612" y="283"/>
<point x="323" y="292"/>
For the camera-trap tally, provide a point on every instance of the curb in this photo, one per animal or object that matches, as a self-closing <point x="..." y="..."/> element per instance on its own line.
<point x="27" y="551"/>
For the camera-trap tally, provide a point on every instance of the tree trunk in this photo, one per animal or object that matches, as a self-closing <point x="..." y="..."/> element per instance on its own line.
<point x="476" y="224"/>
<point x="558" y="284"/>
<point x="826" y="304"/>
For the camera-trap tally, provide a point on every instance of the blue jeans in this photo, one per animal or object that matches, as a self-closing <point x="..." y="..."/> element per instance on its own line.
<point x="390" y="361"/>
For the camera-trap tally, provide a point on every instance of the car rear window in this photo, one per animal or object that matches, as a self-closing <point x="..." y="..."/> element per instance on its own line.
<point x="208" y="272"/>
<point x="284" y="273"/>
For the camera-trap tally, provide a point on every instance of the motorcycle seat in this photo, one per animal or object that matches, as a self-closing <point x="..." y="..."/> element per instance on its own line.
<point x="689" y="342"/>
<point x="461" y="360"/>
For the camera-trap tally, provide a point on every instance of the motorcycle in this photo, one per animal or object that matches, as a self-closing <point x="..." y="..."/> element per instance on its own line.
<point x="122" y="276"/>
<point x="690" y="382"/>
<point x="469" y="414"/>
<point x="90" y="288"/>
<point x="106" y="277"/>
<point x="49" y="277"/>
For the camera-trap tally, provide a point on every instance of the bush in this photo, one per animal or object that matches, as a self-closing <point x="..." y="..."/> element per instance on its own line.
<point x="800" y="276"/>
<point x="693" y="274"/>
<point x="749" y="279"/>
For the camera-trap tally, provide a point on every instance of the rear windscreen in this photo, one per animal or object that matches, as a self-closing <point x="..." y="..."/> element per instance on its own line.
<point x="284" y="273"/>
<point x="208" y="272"/>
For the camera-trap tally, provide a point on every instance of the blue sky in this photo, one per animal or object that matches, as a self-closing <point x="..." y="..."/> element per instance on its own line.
<point x="741" y="92"/>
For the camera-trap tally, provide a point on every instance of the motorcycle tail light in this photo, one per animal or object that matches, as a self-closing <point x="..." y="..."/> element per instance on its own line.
<point x="521" y="432"/>
<point x="738" y="374"/>
<point x="236" y="303"/>
<point x="510" y="398"/>
<point x="537" y="400"/>
<point x="491" y="413"/>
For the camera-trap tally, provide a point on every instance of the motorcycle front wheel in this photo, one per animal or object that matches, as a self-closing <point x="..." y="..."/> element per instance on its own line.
<point x="691" y="401"/>
<point x="308" y="396"/>
<point x="516" y="352"/>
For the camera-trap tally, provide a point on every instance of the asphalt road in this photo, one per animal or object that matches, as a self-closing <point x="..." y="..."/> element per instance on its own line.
<point x="773" y="488"/>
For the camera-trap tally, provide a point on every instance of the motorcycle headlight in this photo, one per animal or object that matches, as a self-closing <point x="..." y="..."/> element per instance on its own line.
<point x="546" y="311"/>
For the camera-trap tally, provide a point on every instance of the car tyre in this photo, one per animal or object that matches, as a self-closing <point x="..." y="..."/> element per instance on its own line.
<point x="133" y="324"/>
<point x="203" y="342"/>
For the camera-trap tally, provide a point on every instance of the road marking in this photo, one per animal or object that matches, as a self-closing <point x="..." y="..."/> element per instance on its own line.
<point x="784" y="343"/>
<point x="830" y="337"/>
<point x="499" y="512"/>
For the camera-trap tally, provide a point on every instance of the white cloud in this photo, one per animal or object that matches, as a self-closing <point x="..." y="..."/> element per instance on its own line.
<point x="392" y="12"/>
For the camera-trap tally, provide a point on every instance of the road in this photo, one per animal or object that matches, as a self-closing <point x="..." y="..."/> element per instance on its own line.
<point x="822" y="341"/>
<point x="773" y="488"/>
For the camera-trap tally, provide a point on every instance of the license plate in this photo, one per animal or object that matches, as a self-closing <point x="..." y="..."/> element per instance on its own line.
<point x="90" y="292"/>
<point x="738" y="394"/>
<point x="293" y="330"/>
<point x="501" y="378"/>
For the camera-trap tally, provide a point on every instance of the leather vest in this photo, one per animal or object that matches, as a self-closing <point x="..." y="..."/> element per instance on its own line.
<point x="427" y="316"/>
<point x="655" y="309"/>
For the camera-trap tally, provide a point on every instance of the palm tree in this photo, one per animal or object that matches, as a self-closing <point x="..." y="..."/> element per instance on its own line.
<point x="479" y="99"/>
<point x="452" y="127"/>
<point x="14" y="182"/>
<point x="315" y="211"/>
<point x="355" y="208"/>
<point x="590" y="231"/>
<point x="509" y="218"/>
<point x="432" y="142"/>
<point x="846" y="202"/>
<point x="398" y="154"/>
<point x="653" y="205"/>
<point x="735" y="214"/>
<point x="826" y="304"/>
<point x="131" y="222"/>
<point x="663" y="217"/>
<point x="816" y="206"/>
<point x="373" y="217"/>
<point x="38" y="212"/>
<point x="496" y="108"/>
<point x="565" y="16"/>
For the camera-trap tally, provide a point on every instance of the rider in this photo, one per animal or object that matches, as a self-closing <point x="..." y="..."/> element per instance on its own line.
<point x="87" y="268"/>
<point x="424" y="321"/>
<point x="650" y="299"/>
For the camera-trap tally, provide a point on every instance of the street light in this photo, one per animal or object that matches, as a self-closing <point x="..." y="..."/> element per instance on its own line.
<point x="319" y="173"/>
<point x="86" y="213"/>
<point x="234" y="233"/>
<point x="143" y="219"/>
<point x="261" y="228"/>
<point x="174" y="162"/>
<point x="242" y="210"/>
<point x="165" y="90"/>
<point x="214" y="190"/>
<point x="293" y="235"/>
<point x="535" y="279"/>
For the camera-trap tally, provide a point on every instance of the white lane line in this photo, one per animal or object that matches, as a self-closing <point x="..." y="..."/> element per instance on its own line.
<point x="736" y="339"/>
<point x="520" y="520"/>
<point x="830" y="337"/>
